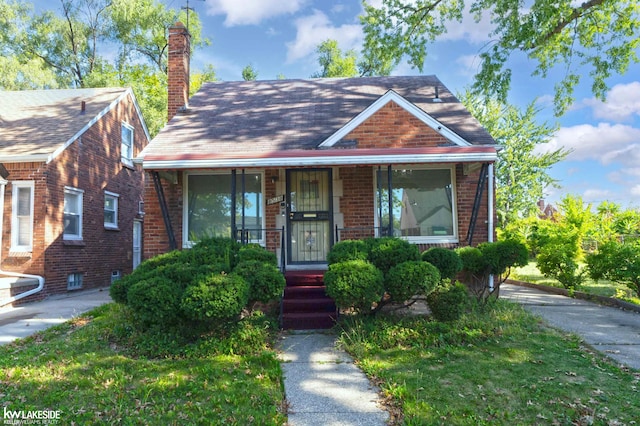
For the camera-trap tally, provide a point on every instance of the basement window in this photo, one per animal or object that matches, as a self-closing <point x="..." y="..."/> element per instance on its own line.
<point x="74" y="281"/>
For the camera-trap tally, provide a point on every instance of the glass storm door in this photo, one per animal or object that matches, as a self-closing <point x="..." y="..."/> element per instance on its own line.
<point x="310" y="215"/>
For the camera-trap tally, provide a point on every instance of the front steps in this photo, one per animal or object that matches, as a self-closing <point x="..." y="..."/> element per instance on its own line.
<point x="305" y="305"/>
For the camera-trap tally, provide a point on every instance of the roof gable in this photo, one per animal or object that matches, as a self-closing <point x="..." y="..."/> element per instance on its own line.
<point x="38" y="125"/>
<point x="392" y="96"/>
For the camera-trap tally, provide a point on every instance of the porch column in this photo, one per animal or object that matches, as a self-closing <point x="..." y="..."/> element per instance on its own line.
<point x="233" y="204"/>
<point x="243" y="187"/>
<point x="390" y="184"/>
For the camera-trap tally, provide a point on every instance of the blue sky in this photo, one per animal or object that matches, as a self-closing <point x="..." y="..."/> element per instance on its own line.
<point x="280" y="37"/>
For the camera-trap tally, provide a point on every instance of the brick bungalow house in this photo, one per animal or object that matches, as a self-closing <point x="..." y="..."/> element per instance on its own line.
<point x="297" y="165"/>
<point x="71" y="196"/>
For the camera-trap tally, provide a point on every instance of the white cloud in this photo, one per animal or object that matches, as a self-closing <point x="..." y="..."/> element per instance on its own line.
<point x="252" y="12"/>
<point x="591" y="195"/>
<point x="605" y="143"/>
<point x="623" y="102"/>
<point x="469" y="30"/>
<point x="635" y="190"/>
<point x="468" y="65"/>
<point x="314" y="29"/>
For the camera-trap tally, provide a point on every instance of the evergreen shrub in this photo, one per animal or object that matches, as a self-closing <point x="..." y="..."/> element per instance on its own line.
<point x="265" y="280"/>
<point x="411" y="278"/>
<point x="447" y="261"/>
<point x="448" y="302"/>
<point x="354" y="284"/>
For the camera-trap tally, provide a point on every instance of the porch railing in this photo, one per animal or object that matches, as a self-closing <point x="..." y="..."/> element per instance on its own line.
<point x="360" y="233"/>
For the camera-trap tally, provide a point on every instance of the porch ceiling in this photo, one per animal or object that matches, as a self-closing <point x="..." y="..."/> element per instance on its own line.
<point x="321" y="157"/>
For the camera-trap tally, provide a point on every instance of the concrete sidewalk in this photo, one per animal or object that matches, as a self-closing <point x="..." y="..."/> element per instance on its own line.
<point x="613" y="331"/>
<point x="25" y="320"/>
<point x="323" y="386"/>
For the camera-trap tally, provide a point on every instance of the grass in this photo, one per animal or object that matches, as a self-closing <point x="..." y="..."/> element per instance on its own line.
<point x="97" y="370"/>
<point x="498" y="367"/>
<point x="531" y="274"/>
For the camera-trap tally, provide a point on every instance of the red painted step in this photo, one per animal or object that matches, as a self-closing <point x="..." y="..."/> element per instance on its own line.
<point x="305" y="304"/>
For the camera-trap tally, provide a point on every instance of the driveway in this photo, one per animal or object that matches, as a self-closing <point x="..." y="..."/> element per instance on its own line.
<point x="613" y="331"/>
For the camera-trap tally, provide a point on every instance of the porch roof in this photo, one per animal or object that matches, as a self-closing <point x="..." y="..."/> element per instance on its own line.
<point x="258" y="123"/>
<point x="322" y="157"/>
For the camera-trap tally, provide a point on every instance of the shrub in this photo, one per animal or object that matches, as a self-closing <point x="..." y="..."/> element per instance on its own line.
<point x="617" y="262"/>
<point x="265" y="280"/>
<point x="448" y="303"/>
<point x="214" y="250"/>
<point x="388" y="251"/>
<point x="215" y="296"/>
<point x="558" y="260"/>
<point x="348" y="250"/>
<point x="145" y="270"/>
<point x="411" y="278"/>
<point x="495" y="258"/>
<point x="354" y="284"/>
<point x="155" y="301"/>
<point x="447" y="261"/>
<point x="501" y="255"/>
<point x="256" y="252"/>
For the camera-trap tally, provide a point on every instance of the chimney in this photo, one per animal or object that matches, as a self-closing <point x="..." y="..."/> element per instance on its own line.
<point x="178" y="68"/>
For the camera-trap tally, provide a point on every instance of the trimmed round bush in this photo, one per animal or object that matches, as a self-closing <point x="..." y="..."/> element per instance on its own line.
<point x="348" y="250"/>
<point x="256" y="252"/>
<point x="147" y="269"/>
<point x="155" y="301"/>
<point x="354" y="284"/>
<point x="215" y="250"/>
<point x="265" y="280"/>
<point x="472" y="260"/>
<point x="215" y="297"/>
<point x="411" y="278"/>
<point x="388" y="251"/>
<point x="447" y="261"/>
<point x="448" y="303"/>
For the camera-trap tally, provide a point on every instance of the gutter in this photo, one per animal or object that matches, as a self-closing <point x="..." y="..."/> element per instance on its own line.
<point x="40" y="279"/>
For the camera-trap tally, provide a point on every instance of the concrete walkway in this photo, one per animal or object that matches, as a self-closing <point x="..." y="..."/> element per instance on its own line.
<point x="612" y="331"/>
<point x="323" y="386"/>
<point x="24" y="320"/>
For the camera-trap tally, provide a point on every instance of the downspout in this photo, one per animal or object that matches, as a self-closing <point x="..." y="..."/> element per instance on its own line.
<point x="490" y="221"/>
<point x="40" y="279"/>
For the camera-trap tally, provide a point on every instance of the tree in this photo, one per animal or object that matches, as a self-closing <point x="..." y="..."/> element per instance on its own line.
<point x="249" y="73"/>
<point x="522" y="174"/>
<point x="334" y="63"/>
<point x="599" y="35"/>
<point x="72" y="49"/>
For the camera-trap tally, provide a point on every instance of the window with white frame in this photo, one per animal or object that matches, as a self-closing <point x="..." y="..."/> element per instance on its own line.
<point x="110" y="210"/>
<point x="126" y="151"/>
<point x="422" y="203"/>
<point x="72" y="213"/>
<point x="74" y="281"/>
<point x="22" y="216"/>
<point x="208" y="211"/>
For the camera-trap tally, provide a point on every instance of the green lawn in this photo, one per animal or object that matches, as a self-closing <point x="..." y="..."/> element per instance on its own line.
<point x="531" y="274"/>
<point x="501" y="367"/>
<point x="496" y="366"/>
<point x="90" y="371"/>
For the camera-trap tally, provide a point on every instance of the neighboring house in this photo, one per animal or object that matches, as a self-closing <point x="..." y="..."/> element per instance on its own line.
<point x="297" y="165"/>
<point x="73" y="198"/>
<point x="547" y="211"/>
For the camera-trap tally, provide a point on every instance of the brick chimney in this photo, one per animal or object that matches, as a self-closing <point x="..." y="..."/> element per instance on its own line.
<point x="178" y="68"/>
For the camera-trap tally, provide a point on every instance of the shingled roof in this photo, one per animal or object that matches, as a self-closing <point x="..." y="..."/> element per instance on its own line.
<point x="36" y="124"/>
<point x="268" y="116"/>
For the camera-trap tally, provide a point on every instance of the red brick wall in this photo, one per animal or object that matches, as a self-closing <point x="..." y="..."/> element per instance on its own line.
<point x="91" y="163"/>
<point x="156" y="239"/>
<point x="393" y="127"/>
